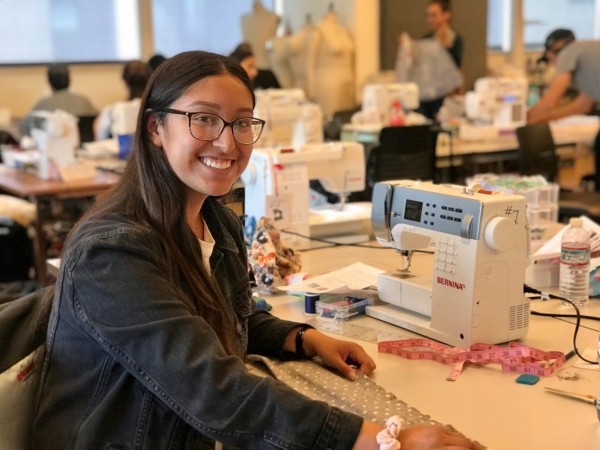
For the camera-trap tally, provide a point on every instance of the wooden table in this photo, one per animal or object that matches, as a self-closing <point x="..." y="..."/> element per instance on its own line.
<point x="28" y="186"/>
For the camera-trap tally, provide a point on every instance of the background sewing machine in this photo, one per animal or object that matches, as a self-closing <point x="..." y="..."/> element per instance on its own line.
<point x="54" y="138"/>
<point x="277" y="186"/>
<point x="380" y="100"/>
<point x="475" y="291"/>
<point x="291" y="119"/>
<point x="496" y="106"/>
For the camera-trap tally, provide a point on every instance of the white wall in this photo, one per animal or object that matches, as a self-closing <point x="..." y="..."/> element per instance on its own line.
<point x="22" y="86"/>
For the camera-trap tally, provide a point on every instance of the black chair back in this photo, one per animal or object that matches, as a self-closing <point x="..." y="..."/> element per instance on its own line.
<point x="404" y="153"/>
<point x="537" y="152"/>
<point x="333" y="128"/>
<point x="86" y="129"/>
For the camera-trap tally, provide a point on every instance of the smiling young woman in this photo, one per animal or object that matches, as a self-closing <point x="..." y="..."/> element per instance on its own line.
<point x="153" y="315"/>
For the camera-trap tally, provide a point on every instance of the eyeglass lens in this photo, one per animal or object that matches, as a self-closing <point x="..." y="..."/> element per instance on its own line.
<point x="207" y="127"/>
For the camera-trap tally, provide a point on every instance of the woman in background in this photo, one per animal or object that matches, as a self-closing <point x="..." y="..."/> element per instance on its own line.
<point x="439" y="16"/>
<point x="260" y="78"/>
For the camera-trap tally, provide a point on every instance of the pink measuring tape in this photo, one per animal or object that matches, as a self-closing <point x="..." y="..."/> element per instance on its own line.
<point x="517" y="358"/>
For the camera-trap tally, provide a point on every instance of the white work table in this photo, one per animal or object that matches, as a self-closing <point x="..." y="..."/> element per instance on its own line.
<point x="568" y="131"/>
<point x="484" y="403"/>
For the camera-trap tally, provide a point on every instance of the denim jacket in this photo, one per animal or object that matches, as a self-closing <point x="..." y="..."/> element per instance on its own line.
<point x="129" y="367"/>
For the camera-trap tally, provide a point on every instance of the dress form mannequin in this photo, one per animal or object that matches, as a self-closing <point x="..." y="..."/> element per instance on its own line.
<point x="259" y="26"/>
<point x="279" y="61"/>
<point x="334" y="74"/>
<point x="302" y="54"/>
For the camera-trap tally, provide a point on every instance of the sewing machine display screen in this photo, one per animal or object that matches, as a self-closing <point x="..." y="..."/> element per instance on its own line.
<point x="413" y="210"/>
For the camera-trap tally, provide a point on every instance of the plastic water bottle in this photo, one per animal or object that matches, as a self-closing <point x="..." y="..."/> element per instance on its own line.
<point x="575" y="263"/>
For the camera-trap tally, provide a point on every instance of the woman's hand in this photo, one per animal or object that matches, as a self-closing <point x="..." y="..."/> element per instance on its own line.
<point x="419" y="437"/>
<point x="434" y="437"/>
<point x="343" y="356"/>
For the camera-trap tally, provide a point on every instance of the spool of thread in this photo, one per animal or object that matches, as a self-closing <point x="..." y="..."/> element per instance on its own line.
<point x="310" y="303"/>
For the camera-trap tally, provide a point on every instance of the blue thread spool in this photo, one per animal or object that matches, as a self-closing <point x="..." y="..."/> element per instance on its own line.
<point x="310" y="303"/>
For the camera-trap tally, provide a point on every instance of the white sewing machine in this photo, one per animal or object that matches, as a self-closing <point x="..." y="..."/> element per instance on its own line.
<point x="475" y="292"/>
<point x="56" y="136"/>
<point x="378" y="100"/>
<point x="124" y="117"/>
<point x="277" y="186"/>
<point x="291" y="119"/>
<point x="495" y="106"/>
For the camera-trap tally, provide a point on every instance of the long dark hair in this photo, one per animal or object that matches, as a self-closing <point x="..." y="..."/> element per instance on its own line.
<point x="444" y="4"/>
<point x="136" y="75"/>
<point x="150" y="193"/>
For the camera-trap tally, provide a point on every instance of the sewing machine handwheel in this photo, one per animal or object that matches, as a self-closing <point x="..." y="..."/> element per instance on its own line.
<point x="499" y="233"/>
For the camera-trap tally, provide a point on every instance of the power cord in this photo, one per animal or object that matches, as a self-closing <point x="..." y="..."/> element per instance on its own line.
<point x="343" y="244"/>
<point x="544" y="296"/>
<point x="326" y="241"/>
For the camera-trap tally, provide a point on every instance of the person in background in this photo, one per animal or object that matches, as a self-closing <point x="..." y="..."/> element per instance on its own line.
<point x="153" y="315"/>
<point x="439" y="16"/>
<point x="577" y="64"/>
<point x="261" y="79"/>
<point x="61" y="98"/>
<point x="135" y="75"/>
<point x="243" y="55"/>
<point x="156" y="60"/>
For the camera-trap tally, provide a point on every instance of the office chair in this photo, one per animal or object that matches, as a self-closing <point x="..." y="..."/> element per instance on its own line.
<point x="86" y="129"/>
<point x="403" y="153"/>
<point x="537" y="152"/>
<point x="537" y="156"/>
<point x="332" y="129"/>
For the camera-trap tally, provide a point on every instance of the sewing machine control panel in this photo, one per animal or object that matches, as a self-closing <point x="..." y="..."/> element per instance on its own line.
<point x="439" y="212"/>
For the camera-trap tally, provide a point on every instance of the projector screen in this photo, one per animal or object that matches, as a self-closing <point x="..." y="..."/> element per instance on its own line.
<point x="47" y="31"/>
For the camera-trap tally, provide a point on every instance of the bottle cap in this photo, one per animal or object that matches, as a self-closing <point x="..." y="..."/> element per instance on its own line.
<point x="576" y="222"/>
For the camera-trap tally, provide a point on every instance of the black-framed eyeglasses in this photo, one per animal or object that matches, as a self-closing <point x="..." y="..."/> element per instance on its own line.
<point x="207" y="127"/>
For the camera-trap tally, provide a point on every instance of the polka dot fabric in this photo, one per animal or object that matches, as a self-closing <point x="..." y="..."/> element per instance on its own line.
<point x="361" y="396"/>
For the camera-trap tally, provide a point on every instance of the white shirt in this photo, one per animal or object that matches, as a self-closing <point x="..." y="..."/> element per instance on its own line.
<point x="207" y="245"/>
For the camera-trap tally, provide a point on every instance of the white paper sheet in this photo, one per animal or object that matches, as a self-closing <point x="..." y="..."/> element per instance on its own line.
<point x="352" y="278"/>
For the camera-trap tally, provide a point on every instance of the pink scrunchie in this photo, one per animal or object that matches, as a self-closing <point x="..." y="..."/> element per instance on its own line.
<point x="388" y="437"/>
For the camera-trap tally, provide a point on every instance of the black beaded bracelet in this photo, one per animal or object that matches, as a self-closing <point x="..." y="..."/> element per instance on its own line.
<point x="300" y="353"/>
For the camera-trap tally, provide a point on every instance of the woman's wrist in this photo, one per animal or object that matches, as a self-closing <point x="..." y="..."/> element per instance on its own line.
<point x="308" y="342"/>
<point x="299" y="342"/>
<point x="295" y="343"/>
<point x="367" y="436"/>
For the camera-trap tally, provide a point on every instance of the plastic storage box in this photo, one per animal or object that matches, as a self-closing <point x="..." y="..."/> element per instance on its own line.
<point x="541" y="197"/>
<point x="342" y="307"/>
